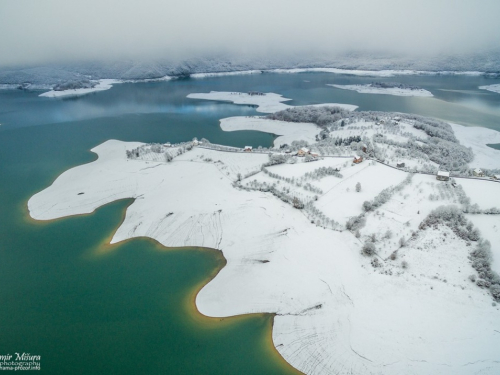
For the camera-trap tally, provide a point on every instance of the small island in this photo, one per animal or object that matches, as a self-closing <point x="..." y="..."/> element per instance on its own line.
<point x="78" y="88"/>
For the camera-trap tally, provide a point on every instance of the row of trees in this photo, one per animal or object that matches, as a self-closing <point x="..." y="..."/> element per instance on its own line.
<point x="321" y="116"/>
<point x="391" y="85"/>
<point x="144" y="151"/>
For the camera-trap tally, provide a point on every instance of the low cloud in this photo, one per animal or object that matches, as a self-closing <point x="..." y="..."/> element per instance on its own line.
<point x="37" y="32"/>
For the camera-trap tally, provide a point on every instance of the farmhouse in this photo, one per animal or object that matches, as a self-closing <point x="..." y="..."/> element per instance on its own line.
<point x="478" y="172"/>
<point x="248" y="149"/>
<point x="496" y="177"/>
<point x="303" y="151"/>
<point x="443" y="176"/>
<point x="400" y="165"/>
<point x="363" y="147"/>
<point x="357" y="159"/>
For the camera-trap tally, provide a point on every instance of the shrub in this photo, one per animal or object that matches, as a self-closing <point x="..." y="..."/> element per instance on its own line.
<point x="369" y="248"/>
<point x="483" y="283"/>
<point x="402" y="242"/>
<point x="354" y="223"/>
<point x="495" y="291"/>
<point x="297" y="203"/>
<point x="367" y="206"/>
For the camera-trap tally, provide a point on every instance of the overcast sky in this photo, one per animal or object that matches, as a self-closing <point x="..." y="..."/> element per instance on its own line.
<point x="36" y="31"/>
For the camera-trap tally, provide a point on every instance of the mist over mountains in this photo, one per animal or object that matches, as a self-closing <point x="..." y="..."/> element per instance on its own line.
<point x="49" y="42"/>
<point x="49" y="75"/>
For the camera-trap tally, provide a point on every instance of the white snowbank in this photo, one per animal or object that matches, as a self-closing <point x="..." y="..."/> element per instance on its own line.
<point x="334" y="314"/>
<point x="104" y="84"/>
<point x="221" y="74"/>
<point x="375" y="73"/>
<point x="368" y="89"/>
<point x="266" y="103"/>
<point x="493" y="88"/>
<point x="287" y="131"/>
<point x="477" y="138"/>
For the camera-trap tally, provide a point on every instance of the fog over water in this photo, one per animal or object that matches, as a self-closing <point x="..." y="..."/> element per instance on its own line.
<point x="37" y="32"/>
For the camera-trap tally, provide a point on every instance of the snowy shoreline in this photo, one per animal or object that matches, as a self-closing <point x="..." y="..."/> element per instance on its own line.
<point x="221" y="74"/>
<point x="287" y="132"/>
<point x="104" y="84"/>
<point x="477" y="139"/>
<point x="377" y="73"/>
<point x="492" y="88"/>
<point x="368" y="89"/>
<point x="354" y="72"/>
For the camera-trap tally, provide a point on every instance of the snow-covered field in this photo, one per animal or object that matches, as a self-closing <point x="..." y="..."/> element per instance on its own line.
<point x="493" y="88"/>
<point x="335" y="312"/>
<point x="368" y="89"/>
<point x="104" y="84"/>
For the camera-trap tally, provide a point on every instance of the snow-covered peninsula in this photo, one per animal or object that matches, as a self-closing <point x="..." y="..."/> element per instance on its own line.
<point x="265" y="102"/>
<point x="370" y="264"/>
<point x="102" y="85"/>
<point x="492" y="88"/>
<point x="387" y="89"/>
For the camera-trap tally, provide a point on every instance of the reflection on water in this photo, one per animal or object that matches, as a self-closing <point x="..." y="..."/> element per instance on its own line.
<point x="456" y="98"/>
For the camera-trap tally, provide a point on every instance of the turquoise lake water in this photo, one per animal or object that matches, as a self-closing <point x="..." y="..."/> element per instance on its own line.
<point x="90" y="308"/>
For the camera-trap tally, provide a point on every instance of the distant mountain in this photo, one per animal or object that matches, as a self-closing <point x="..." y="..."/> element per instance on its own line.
<point x="54" y="74"/>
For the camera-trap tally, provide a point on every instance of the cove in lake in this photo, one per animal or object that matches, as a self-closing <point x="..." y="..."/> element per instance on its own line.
<point x="91" y="308"/>
<point x="496" y="146"/>
<point x="87" y="307"/>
